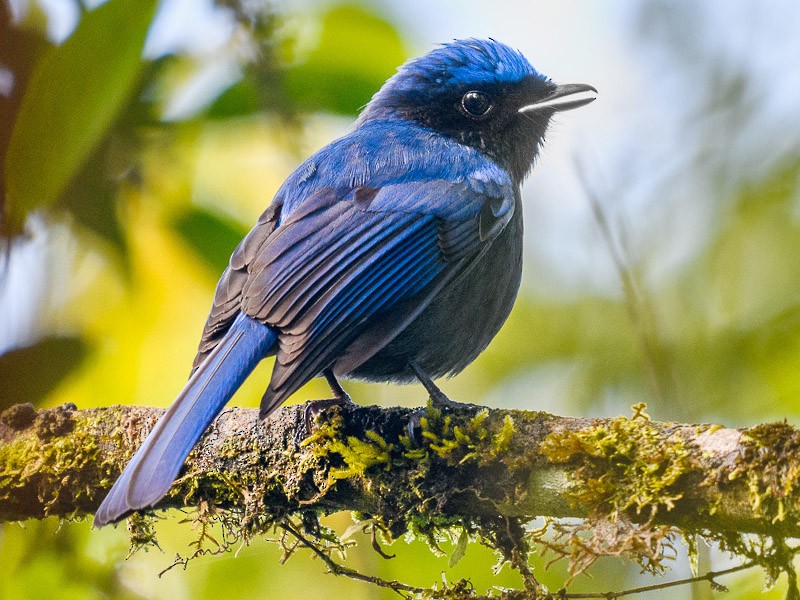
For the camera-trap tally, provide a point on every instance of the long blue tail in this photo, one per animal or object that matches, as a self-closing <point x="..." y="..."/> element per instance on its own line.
<point x="153" y="469"/>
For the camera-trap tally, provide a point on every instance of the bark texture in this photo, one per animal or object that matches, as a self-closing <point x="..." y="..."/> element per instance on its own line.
<point x="469" y="463"/>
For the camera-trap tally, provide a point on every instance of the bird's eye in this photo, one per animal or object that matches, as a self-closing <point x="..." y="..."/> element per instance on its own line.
<point x="476" y="104"/>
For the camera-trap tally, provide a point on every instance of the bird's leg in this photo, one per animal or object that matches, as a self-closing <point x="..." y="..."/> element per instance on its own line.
<point x="338" y="391"/>
<point x="438" y="397"/>
<point x="316" y="407"/>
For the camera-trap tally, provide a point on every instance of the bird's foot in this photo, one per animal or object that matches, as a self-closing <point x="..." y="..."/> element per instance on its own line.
<point x="315" y="408"/>
<point x="438" y="405"/>
<point x="440" y="401"/>
<point x="438" y="398"/>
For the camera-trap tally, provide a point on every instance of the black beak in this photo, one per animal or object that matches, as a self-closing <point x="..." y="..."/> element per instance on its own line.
<point x="564" y="97"/>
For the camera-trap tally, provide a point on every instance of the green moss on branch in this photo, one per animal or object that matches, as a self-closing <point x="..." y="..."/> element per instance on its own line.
<point x="476" y="470"/>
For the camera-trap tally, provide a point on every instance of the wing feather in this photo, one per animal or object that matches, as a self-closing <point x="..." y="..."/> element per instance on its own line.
<point x="227" y="297"/>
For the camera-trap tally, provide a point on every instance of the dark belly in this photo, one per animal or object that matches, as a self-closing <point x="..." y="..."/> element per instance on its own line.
<point x="461" y="320"/>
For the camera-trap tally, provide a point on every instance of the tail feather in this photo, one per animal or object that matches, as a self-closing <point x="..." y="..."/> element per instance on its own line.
<point x="154" y="467"/>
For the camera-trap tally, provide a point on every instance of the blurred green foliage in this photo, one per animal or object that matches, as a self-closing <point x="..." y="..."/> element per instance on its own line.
<point x="36" y="370"/>
<point x="212" y="237"/>
<point x="345" y="86"/>
<point x="20" y="51"/>
<point x="149" y="203"/>
<point x="75" y="93"/>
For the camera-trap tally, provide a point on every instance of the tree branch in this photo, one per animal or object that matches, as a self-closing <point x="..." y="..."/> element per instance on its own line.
<point x="471" y="463"/>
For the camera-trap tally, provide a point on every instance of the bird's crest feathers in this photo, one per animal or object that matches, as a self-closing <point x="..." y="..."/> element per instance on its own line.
<point x="469" y="59"/>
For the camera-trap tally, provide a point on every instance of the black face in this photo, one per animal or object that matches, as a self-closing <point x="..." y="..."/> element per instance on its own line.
<point x="487" y="118"/>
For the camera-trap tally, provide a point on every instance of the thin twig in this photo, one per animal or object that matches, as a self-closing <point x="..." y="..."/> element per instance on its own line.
<point x="338" y="569"/>
<point x="710" y="576"/>
<point x="637" y="301"/>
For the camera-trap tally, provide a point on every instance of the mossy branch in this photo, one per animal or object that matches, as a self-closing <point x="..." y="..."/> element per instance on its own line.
<point x="486" y="471"/>
<point x="473" y="462"/>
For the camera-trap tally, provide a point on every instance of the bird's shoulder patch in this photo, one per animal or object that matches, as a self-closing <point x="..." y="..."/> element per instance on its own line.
<point x="364" y="195"/>
<point x="494" y="216"/>
<point x="499" y="194"/>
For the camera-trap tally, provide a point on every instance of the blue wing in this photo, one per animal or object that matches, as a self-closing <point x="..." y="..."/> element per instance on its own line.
<point x="338" y="262"/>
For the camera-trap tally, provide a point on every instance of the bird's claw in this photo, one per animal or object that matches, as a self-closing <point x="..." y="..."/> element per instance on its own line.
<point x="314" y="408"/>
<point x="414" y="427"/>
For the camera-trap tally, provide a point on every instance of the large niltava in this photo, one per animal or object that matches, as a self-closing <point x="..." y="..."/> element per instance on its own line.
<point x="392" y="254"/>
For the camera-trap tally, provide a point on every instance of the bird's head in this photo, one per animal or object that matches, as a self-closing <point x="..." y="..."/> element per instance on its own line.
<point x="480" y="93"/>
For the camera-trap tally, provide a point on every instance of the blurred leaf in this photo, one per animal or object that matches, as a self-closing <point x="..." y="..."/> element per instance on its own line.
<point x="74" y="95"/>
<point x="355" y="54"/>
<point x="20" y="50"/>
<point x="212" y="237"/>
<point x="238" y="100"/>
<point x="91" y="198"/>
<point x="29" y="374"/>
<point x="357" y="51"/>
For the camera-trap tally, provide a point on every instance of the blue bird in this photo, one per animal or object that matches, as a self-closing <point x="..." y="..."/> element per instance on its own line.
<point x="392" y="254"/>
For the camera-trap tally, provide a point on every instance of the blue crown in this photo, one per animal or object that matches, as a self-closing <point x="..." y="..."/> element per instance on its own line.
<point x="468" y="60"/>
